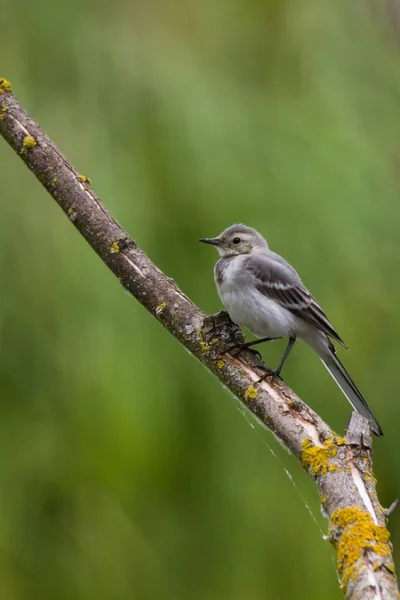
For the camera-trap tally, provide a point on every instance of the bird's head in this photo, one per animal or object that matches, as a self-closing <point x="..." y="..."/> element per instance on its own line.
<point x="237" y="239"/>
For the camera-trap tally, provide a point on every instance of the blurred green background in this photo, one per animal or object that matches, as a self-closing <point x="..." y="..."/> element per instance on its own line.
<point x="126" y="470"/>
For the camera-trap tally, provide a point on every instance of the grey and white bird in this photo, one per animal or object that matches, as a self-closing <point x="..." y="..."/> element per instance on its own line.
<point x="261" y="291"/>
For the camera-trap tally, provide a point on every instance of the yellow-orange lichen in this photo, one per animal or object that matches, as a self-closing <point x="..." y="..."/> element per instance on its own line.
<point x="353" y="532"/>
<point x="251" y="393"/>
<point x="5" y="86"/>
<point x="317" y="459"/>
<point x="206" y="346"/>
<point x="84" y="179"/>
<point x="114" y="248"/>
<point x="28" y="143"/>
<point x="160" y="308"/>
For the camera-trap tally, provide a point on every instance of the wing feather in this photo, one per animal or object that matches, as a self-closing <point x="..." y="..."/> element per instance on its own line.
<point x="280" y="282"/>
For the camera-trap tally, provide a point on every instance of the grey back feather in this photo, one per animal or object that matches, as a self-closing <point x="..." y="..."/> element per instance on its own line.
<point x="274" y="277"/>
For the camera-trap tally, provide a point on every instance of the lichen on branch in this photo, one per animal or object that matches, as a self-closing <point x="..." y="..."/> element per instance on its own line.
<point x="357" y="538"/>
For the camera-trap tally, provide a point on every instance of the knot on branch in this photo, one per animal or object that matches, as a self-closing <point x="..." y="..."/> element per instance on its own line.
<point x="221" y="328"/>
<point x="220" y="334"/>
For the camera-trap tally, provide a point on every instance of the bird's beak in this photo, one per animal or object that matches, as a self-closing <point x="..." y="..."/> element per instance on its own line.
<point x="212" y="241"/>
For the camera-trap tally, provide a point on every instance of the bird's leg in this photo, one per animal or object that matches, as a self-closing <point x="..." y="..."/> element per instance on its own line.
<point x="277" y="371"/>
<point x="236" y="349"/>
<point x="246" y="345"/>
<point x="260" y="341"/>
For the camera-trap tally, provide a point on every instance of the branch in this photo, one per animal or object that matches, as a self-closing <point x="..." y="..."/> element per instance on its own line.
<point x="341" y="468"/>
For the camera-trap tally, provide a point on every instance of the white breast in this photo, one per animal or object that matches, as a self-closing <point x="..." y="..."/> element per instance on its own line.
<point x="248" y="307"/>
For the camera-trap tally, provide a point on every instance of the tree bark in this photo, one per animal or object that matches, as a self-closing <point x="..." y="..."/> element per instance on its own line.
<point x="340" y="467"/>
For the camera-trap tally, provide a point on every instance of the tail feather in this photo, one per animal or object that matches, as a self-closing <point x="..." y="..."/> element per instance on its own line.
<point x="350" y="390"/>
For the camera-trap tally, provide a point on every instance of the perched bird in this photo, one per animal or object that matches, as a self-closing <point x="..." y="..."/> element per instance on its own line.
<point x="262" y="291"/>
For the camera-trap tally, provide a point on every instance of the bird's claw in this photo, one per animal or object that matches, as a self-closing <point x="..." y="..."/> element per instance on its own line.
<point x="238" y="348"/>
<point x="268" y="373"/>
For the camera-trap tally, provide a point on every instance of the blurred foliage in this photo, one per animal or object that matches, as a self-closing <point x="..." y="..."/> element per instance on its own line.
<point x="125" y="469"/>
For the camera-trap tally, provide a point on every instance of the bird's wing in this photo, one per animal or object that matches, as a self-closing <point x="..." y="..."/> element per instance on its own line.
<point x="280" y="282"/>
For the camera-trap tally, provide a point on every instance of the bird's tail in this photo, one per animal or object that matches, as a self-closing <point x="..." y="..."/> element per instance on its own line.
<point x="349" y="388"/>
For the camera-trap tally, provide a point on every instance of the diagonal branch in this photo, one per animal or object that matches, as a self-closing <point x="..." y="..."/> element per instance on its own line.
<point x="341" y="468"/>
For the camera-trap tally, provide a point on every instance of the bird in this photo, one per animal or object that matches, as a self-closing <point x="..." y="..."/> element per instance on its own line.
<point x="261" y="291"/>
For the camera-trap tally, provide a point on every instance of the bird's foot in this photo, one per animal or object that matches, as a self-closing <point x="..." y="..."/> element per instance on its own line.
<point x="248" y="346"/>
<point x="236" y="349"/>
<point x="273" y="373"/>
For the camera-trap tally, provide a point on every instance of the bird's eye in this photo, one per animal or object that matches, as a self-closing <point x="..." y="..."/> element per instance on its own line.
<point x="236" y="240"/>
